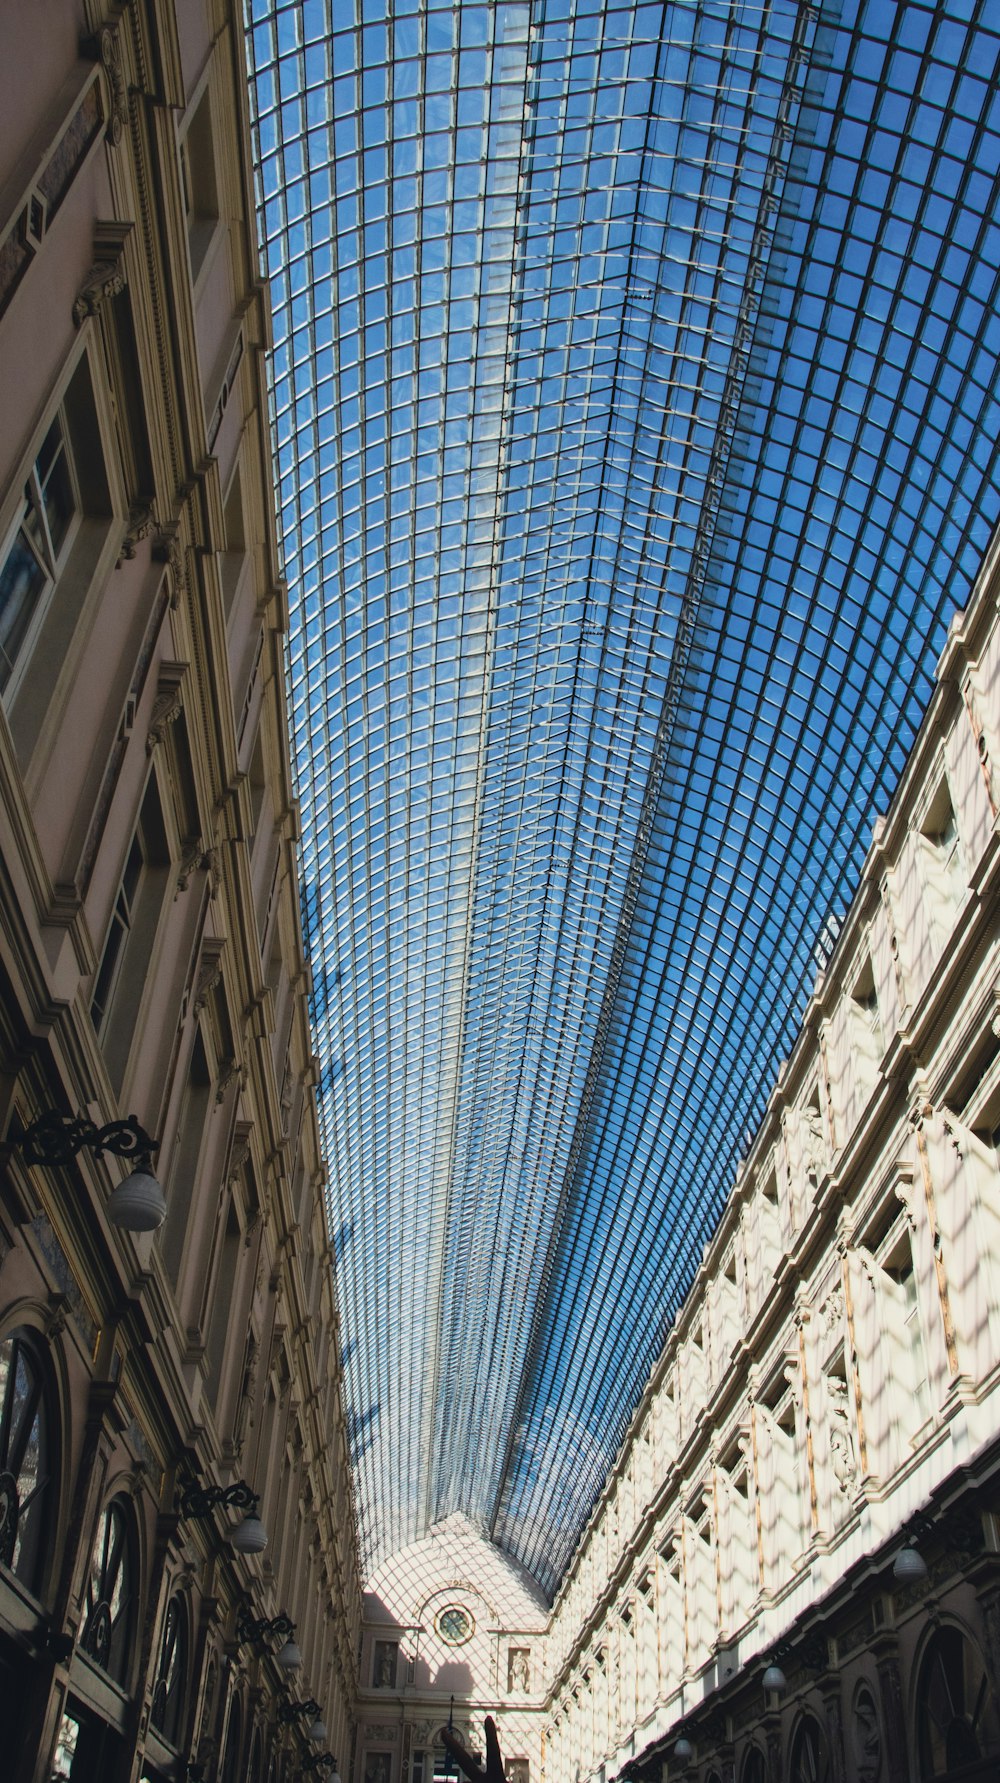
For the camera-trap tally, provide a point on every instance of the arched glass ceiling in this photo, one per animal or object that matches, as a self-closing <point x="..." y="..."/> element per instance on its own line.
<point x="635" y="403"/>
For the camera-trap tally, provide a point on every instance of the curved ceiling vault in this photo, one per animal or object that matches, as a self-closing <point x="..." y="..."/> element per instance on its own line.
<point x="635" y="417"/>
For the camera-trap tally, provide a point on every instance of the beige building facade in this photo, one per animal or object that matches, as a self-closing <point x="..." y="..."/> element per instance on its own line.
<point x="157" y="1387"/>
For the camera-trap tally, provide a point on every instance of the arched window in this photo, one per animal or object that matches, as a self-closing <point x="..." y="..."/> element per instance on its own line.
<point x="170" y="1689"/>
<point x="866" y="1736"/>
<point x="754" y="1769"/>
<point x="955" y="1708"/>
<point x="231" y="1759"/>
<point x="111" y="1592"/>
<point x="25" y="1459"/>
<point x="255" y="1769"/>
<point x="808" y="1755"/>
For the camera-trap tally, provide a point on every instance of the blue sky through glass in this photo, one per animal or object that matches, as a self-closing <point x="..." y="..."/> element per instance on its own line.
<point x="635" y="408"/>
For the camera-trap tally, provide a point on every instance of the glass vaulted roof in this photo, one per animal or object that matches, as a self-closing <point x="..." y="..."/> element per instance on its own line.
<point x="635" y="406"/>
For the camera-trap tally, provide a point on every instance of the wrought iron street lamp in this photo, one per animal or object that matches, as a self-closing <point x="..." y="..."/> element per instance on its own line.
<point x="249" y="1535"/>
<point x="909" y="1566"/>
<point x="289" y="1712"/>
<point x="250" y="1628"/>
<point x="138" y="1204"/>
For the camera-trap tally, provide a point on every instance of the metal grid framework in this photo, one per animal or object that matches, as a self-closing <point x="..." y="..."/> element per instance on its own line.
<point x="635" y="399"/>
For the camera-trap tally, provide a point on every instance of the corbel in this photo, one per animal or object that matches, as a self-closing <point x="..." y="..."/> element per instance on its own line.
<point x="167" y="703"/>
<point x="104" y="46"/>
<point x="230" y="1071"/>
<point x="168" y="549"/>
<point x="138" y="527"/>
<point x="209" y="974"/>
<point x="106" y="277"/>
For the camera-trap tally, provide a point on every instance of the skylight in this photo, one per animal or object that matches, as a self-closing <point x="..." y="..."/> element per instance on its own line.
<point x="635" y="416"/>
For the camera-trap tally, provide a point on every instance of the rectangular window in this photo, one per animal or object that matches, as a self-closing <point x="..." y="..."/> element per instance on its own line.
<point x="124" y="966"/>
<point x="199" y="187"/>
<point x="57" y="532"/>
<point x="37" y="544"/>
<point x="122" y="919"/>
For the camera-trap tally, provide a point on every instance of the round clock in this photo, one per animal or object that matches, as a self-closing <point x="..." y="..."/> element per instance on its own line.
<point x="454" y="1625"/>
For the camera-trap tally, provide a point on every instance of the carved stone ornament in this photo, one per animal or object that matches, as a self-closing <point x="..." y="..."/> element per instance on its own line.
<point x="238" y="1153"/>
<point x="138" y="527"/>
<point x="166" y="707"/>
<point x="813" y="1143"/>
<point x="246" y="1409"/>
<point x="168" y="548"/>
<point x="843" y="1458"/>
<point x="230" y="1071"/>
<point x="210" y="865"/>
<point x="519" y="1669"/>
<point x="106" y="277"/>
<point x="209" y="976"/>
<point x="190" y="860"/>
<point x="832" y="1311"/>
<point x="109" y="50"/>
<point x="866" y="1734"/>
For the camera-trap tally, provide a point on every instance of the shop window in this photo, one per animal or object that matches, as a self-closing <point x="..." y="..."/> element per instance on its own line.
<point x="65" y="482"/>
<point x="170" y="1689"/>
<point x="111" y="1593"/>
<point x="808" y="1763"/>
<point x="117" y="992"/>
<point x="754" y="1767"/>
<point x="86" y="1749"/>
<point x="25" y="1461"/>
<point x="255" y="1769"/>
<point x="956" y="1710"/>
<point x="230" y="1768"/>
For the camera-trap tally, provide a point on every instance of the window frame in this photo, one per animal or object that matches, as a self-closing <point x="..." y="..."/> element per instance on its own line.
<point x="135" y="916"/>
<point x="86" y="553"/>
<point x="49" y="555"/>
<point x="24" y="1341"/>
<point x="119" y="1562"/>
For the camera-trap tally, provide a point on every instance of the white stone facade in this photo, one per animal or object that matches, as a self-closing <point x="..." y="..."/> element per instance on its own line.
<point x="835" y="1372"/>
<point x="452" y="1632"/>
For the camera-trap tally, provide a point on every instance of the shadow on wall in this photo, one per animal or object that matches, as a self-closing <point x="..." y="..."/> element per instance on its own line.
<point x="454" y="1676"/>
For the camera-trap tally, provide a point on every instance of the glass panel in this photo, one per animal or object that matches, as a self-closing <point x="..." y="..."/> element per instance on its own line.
<point x="110" y="1594"/>
<point x="24" y="1461"/>
<point x="22" y="582"/>
<point x="634" y="446"/>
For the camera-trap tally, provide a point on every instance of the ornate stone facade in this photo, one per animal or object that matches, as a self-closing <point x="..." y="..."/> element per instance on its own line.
<point x="830" y="1391"/>
<point x="151" y="957"/>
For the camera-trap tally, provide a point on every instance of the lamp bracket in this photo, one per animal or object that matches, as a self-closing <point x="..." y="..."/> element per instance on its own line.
<point x="57" y="1138"/>
<point x="198" y="1501"/>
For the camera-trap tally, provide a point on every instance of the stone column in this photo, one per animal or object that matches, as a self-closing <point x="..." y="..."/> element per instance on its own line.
<point x="772" y="1734"/>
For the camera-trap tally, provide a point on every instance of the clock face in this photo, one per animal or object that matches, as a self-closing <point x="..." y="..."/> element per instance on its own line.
<point x="455" y="1625"/>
